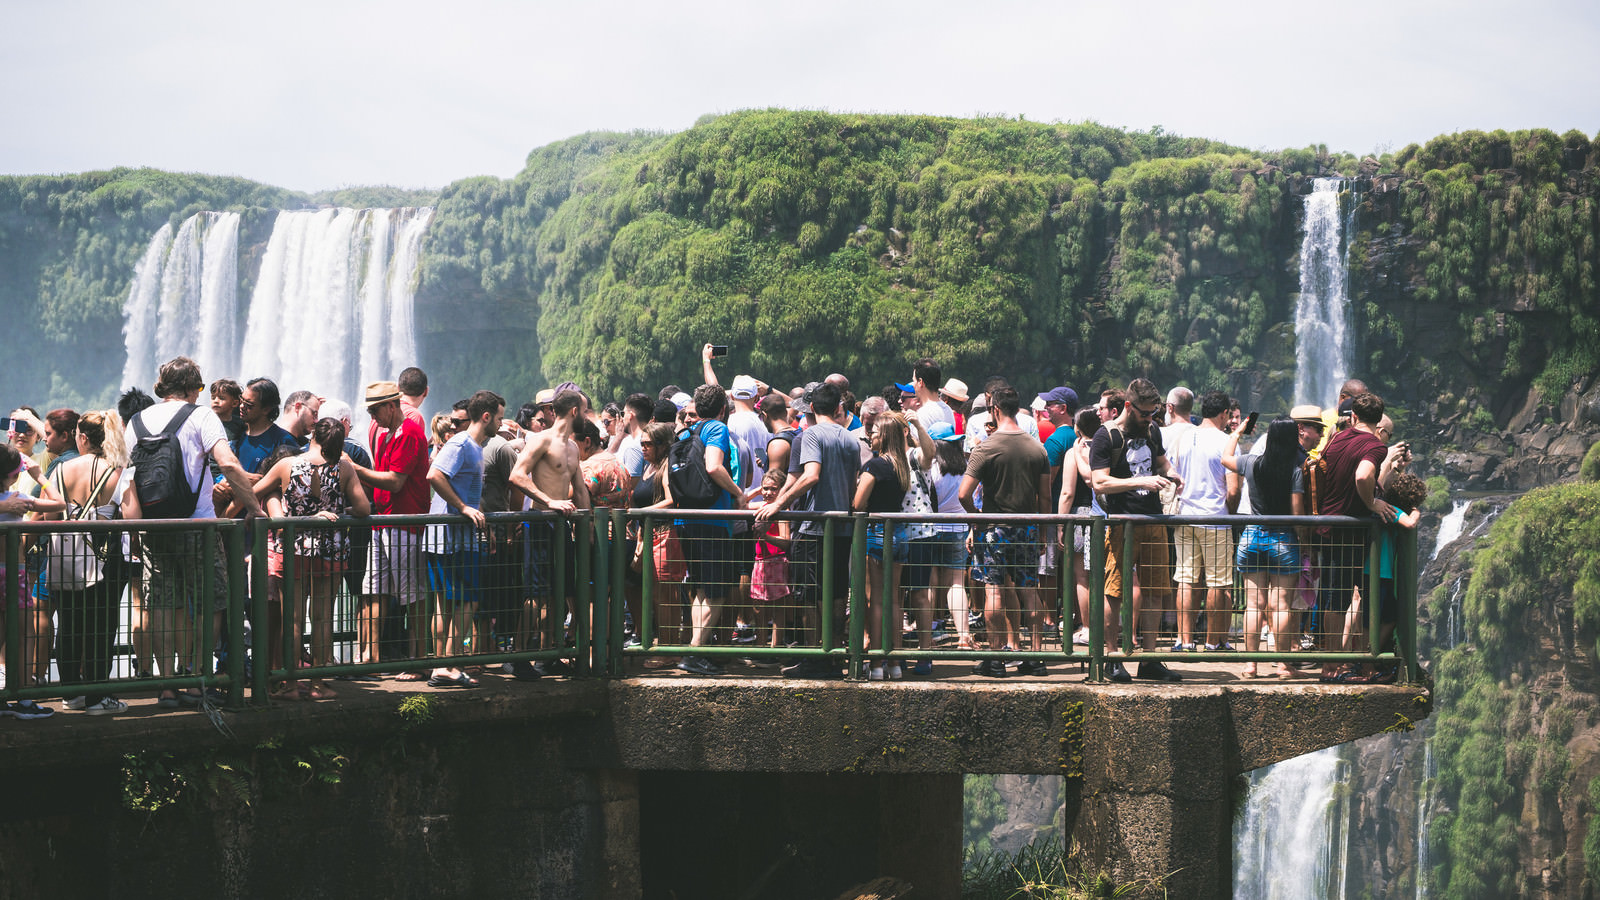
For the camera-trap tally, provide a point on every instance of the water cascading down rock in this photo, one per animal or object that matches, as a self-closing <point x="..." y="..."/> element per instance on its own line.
<point x="331" y="309"/>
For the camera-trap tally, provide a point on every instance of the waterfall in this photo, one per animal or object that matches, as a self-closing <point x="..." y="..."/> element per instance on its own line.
<point x="1321" y="317"/>
<point x="331" y="309"/>
<point x="139" y="313"/>
<point x="1291" y="837"/>
<point x="183" y="301"/>
<point x="1450" y="526"/>
<point x="1290" y="840"/>
<point x="1430" y="770"/>
<point x="333" y="306"/>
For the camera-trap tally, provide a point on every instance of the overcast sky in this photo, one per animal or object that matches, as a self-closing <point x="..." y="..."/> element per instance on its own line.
<point x="315" y="95"/>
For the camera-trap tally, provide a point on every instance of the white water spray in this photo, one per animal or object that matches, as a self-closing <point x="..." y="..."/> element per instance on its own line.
<point x="1450" y="526"/>
<point x="331" y="311"/>
<point x="1291" y="840"/>
<point x="1322" y="315"/>
<point x="183" y="301"/>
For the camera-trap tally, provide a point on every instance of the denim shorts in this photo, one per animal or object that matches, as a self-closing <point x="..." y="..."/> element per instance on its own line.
<point x="1271" y="550"/>
<point x="950" y="550"/>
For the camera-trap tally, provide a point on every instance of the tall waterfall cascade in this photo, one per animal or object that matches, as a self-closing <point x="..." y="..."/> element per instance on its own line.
<point x="1291" y="837"/>
<point x="1290" y="840"/>
<point x="1322" y="315"/>
<point x="182" y="301"/>
<point x="330" y="312"/>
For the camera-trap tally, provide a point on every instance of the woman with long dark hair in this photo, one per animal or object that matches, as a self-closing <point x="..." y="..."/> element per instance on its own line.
<point x="1269" y="555"/>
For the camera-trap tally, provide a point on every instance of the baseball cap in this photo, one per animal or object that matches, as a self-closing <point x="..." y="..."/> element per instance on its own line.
<point x="744" y="388"/>
<point x="942" y="431"/>
<point x="1061" y="394"/>
<point x="680" y="400"/>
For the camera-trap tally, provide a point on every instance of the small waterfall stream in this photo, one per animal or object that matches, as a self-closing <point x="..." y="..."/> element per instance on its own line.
<point x="1322" y="314"/>
<point x="1450" y="526"/>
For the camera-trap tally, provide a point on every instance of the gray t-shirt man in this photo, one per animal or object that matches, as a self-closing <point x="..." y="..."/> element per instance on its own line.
<point x="838" y="452"/>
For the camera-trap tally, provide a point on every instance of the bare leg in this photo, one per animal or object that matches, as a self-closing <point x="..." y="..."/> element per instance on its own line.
<point x="1219" y="616"/>
<point x="1256" y="588"/>
<point x="1186" y="613"/>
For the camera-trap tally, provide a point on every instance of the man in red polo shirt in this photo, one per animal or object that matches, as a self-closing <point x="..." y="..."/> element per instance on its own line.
<point x="399" y="483"/>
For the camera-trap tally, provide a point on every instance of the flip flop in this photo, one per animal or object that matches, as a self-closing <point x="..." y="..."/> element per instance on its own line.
<point x="409" y="676"/>
<point x="461" y="681"/>
<point x="321" y="692"/>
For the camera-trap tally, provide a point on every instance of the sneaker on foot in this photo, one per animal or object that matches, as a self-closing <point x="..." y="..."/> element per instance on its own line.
<point x="1154" y="671"/>
<point x="523" y="670"/>
<point x="1080" y="638"/>
<point x="1223" y="647"/>
<point x="1033" y="669"/>
<point x="75" y="702"/>
<point x="894" y="672"/>
<point x="875" y="674"/>
<point x="108" y="706"/>
<point x="990" y="668"/>
<point x="1181" y="647"/>
<point x="699" y="665"/>
<point x="925" y="667"/>
<point x="27" y="709"/>
<point x="1119" y="674"/>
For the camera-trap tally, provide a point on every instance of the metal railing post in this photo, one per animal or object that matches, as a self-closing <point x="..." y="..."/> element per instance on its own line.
<point x="1097" y="598"/>
<point x="205" y="660"/>
<point x="824" y="570"/>
<point x="646" y="626"/>
<point x="236" y="585"/>
<point x="1405" y="573"/>
<point x="260" y="672"/>
<point x="857" y="615"/>
<point x="289" y="619"/>
<point x="16" y="674"/>
<point x="1125" y="612"/>
<point x="617" y="601"/>
<point x="1373" y="587"/>
<point x="591" y="630"/>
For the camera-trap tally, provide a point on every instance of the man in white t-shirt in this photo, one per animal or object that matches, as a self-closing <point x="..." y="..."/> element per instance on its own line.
<point x="1209" y="489"/>
<point x="925" y="380"/>
<point x="172" y="560"/>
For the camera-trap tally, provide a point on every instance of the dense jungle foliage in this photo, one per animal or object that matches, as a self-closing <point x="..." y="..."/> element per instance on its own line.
<point x="814" y="242"/>
<point x="1502" y="749"/>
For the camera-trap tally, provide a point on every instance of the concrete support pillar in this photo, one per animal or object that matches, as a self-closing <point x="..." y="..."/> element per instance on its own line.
<point x="797" y="836"/>
<point x="1154" y="805"/>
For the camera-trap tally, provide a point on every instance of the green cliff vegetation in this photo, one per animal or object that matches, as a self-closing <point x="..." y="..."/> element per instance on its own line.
<point x="812" y="242"/>
<point x="1502" y="749"/>
<point x="1505" y="227"/>
<point x="68" y="246"/>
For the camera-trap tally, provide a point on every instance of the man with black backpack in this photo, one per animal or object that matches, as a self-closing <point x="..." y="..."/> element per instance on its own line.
<point x="169" y="445"/>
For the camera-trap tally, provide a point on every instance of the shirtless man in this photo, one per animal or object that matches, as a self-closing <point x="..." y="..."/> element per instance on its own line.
<point x="547" y="472"/>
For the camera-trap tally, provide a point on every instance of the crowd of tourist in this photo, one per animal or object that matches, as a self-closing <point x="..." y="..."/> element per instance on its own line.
<point x="924" y="447"/>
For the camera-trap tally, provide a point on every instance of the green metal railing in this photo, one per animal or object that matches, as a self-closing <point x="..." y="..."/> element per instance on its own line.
<point x="598" y="585"/>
